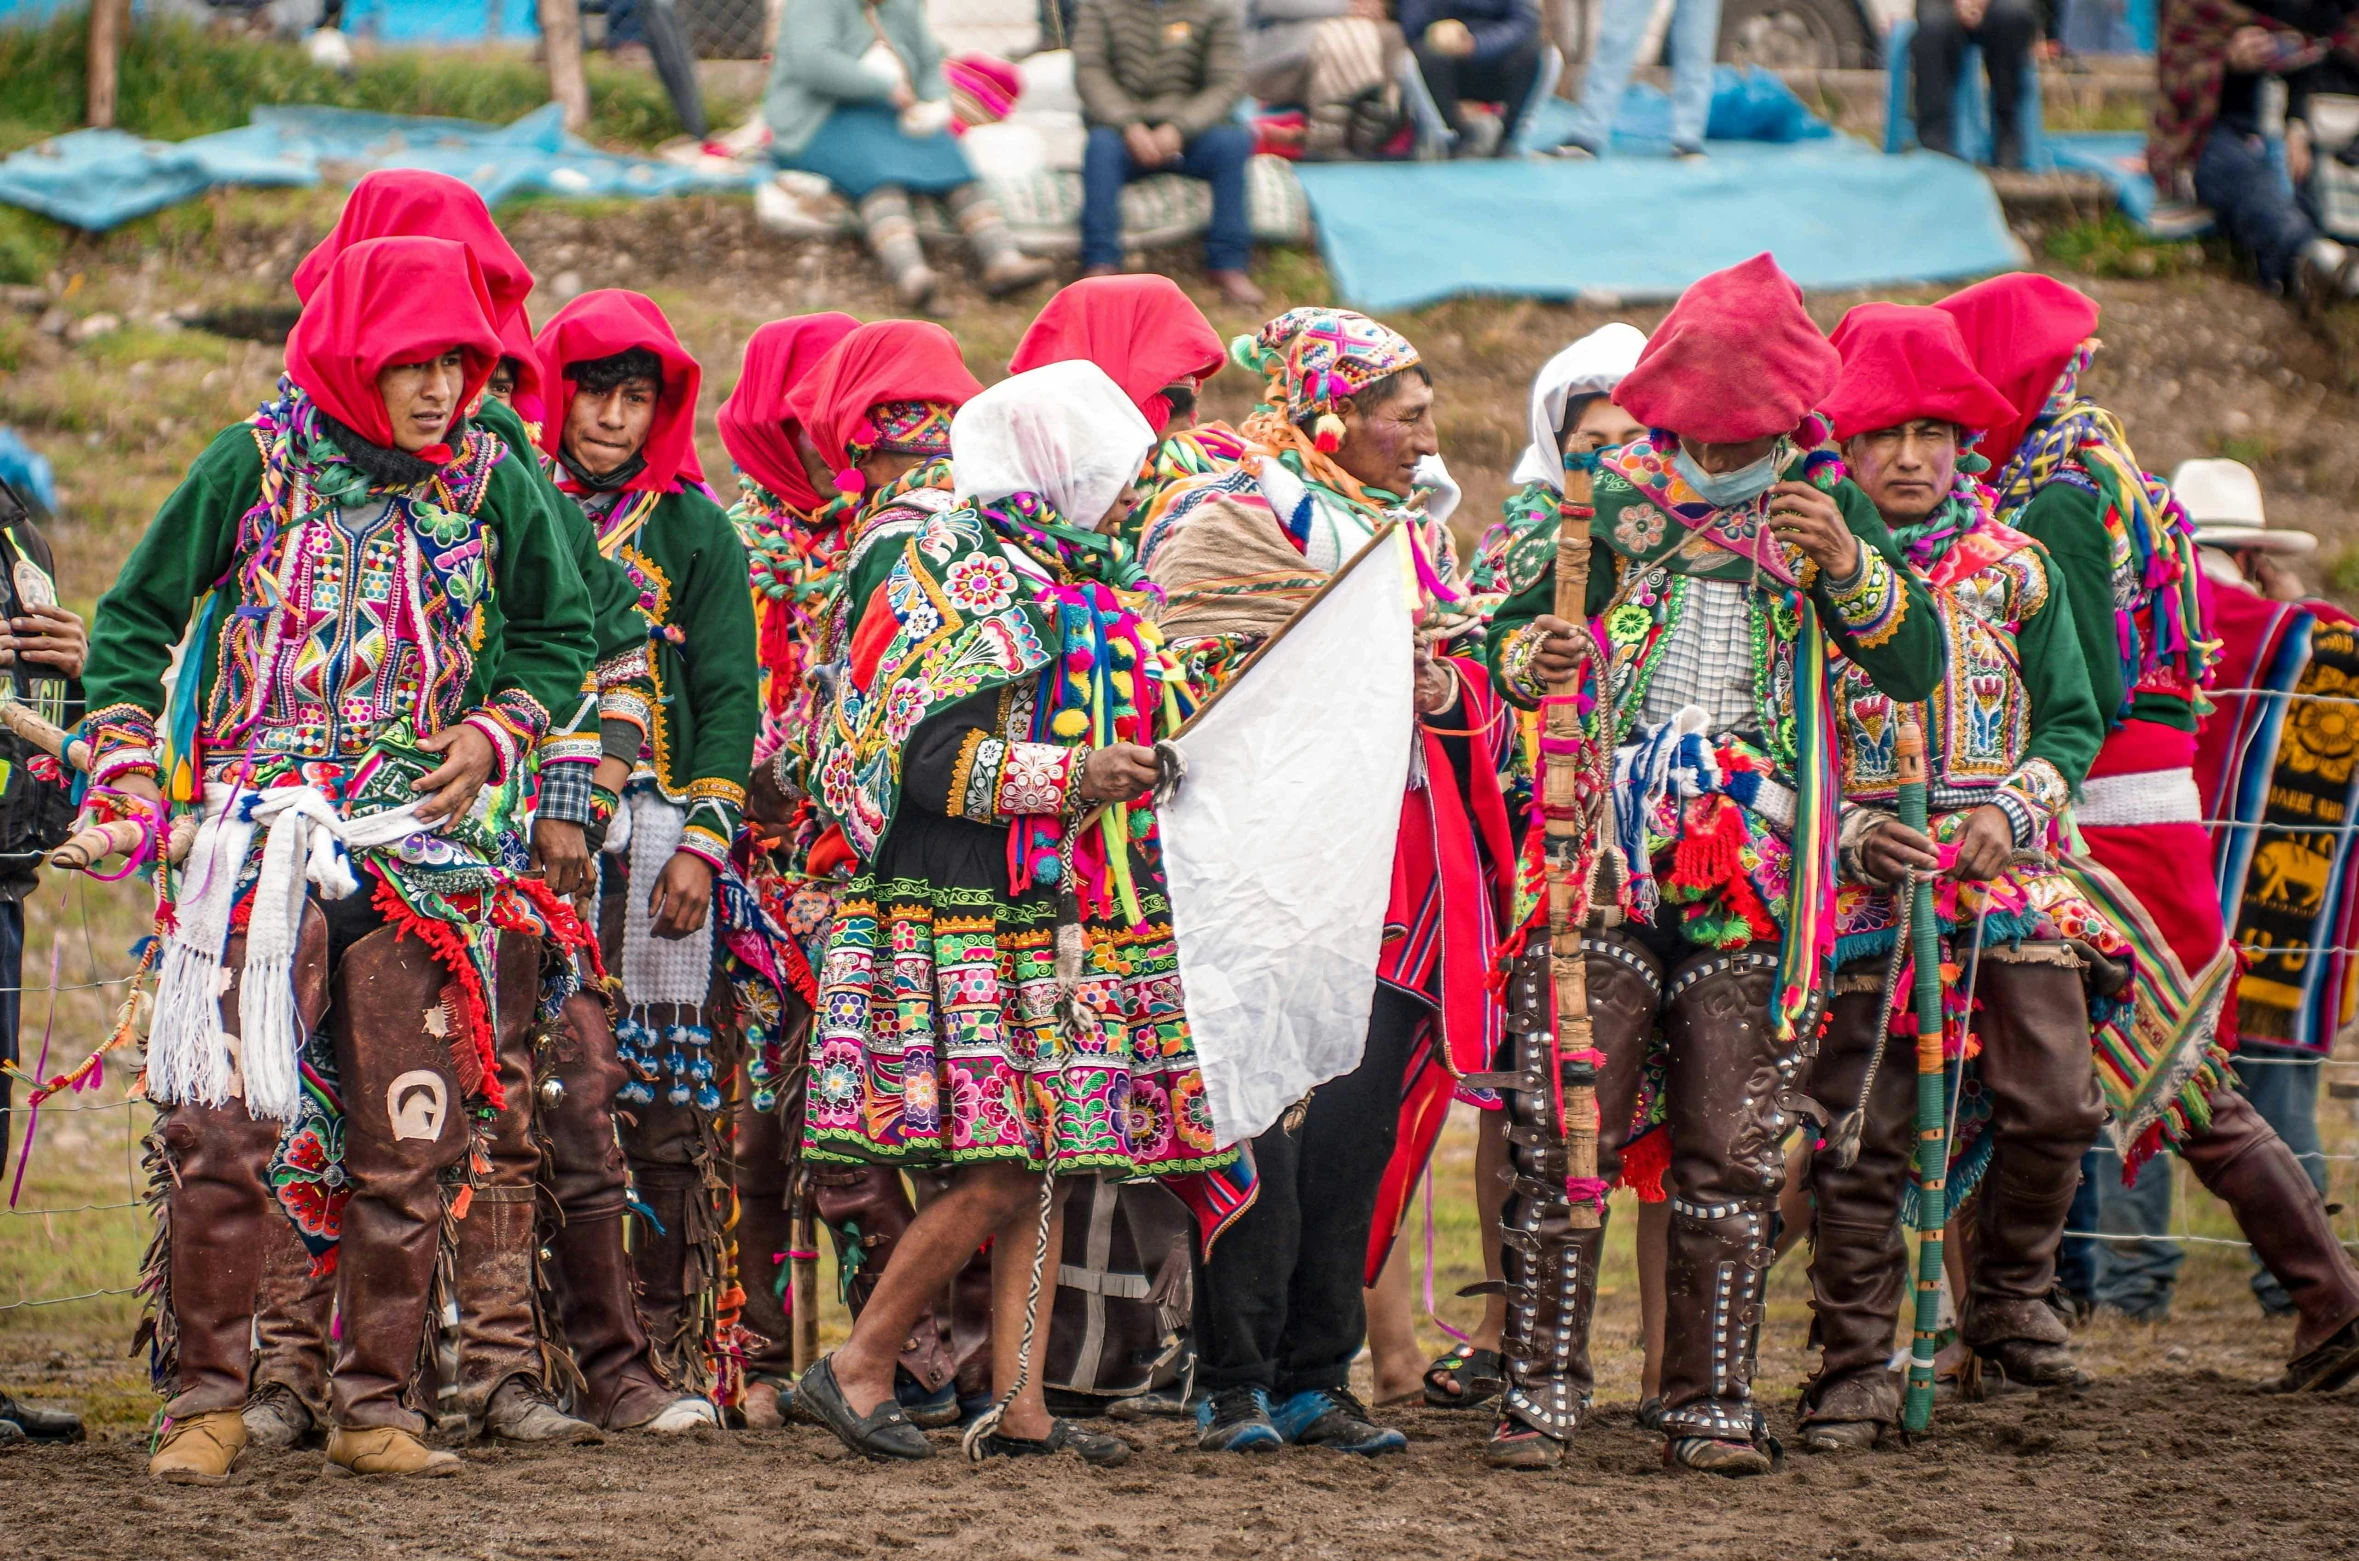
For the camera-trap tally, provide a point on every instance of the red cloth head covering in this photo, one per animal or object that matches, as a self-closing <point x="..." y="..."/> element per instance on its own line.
<point x="598" y="325"/>
<point x="385" y="301"/>
<point x="413" y="203"/>
<point x="2023" y="329"/>
<point x="1142" y="330"/>
<point x="1737" y="358"/>
<point x="1903" y="361"/>
<point x="884" y="360"/>
<point x="756" y="423"/>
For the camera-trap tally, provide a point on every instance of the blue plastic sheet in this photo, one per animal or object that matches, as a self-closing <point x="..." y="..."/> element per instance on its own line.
<point x="1748" y="104"/>
<point x="99" y="179"/>
<point x="2116" y="156"/>
<point x="27" y="470"/>
<point x="1835" y="213"/>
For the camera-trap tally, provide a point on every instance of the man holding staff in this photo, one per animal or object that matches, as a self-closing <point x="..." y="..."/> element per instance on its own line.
<point x="1727" y="565"/>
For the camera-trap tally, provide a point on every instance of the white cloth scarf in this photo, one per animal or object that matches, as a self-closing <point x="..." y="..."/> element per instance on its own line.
<point x="1592" y="366"/>
<point x="660" y="970"/>
<point x="189" y="1053"/>
<point x="1064" y="431"/>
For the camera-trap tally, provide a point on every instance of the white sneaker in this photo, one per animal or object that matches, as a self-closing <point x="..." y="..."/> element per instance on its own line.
<point x="684" y="1414"/>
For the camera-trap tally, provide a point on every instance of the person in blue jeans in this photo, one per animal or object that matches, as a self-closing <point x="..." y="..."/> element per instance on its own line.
<point x="2259" y="207"/>
<point x="1693" y="40"/>
<point x="1159" y="80"/>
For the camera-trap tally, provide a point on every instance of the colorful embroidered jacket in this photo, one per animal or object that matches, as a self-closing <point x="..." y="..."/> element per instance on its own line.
<point x="2012" y="723"/>
<point x="618" y="635"/>
<point x="699" y="704"/>
<point x="323" y="632"/>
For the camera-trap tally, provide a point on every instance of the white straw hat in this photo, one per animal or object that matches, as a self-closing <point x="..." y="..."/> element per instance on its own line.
<point x="2223" y="498"/>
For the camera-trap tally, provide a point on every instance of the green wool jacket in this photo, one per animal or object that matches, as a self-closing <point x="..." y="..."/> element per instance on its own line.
<point x="1905" y="661"/>
<point x="615" y="626"/>
<point x="701" y="699"/>
<point x="2069" y="521"/>
<point x="538" y="594"/>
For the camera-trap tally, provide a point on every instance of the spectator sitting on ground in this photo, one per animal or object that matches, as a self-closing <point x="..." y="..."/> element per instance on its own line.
<point x="857" y="96"/>
<point x="2004" y="30"/>
<point x="1483" y="51"/>
<point x="1337" y="60"/>
<point x="2254" y="208"/>
<point x="1158" y="81"/>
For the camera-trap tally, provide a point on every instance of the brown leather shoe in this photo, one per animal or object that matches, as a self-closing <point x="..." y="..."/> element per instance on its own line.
<point x="1841" y="1436"/>
<point x="276" y="1419"/>
<point x="2028" y="1363"/>
<point x="1236" y="287"/>
<point x="384" y="1449"/>
<point x="1732" y="1460"/>
<point x="2325" y="1368"/>
<point x="522" y="1411"/>
<point x="200" y="1450"/>
<point x="1514" y="1445"/>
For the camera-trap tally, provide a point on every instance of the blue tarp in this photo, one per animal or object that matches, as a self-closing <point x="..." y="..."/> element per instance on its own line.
<point x="1836" y="213"/>
<point x="2116" y="156"/>
<point x="99" y="179"/>
<point x="1748" y="104"/>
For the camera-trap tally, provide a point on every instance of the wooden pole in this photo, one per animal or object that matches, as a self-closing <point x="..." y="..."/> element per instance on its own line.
<point x="561" y="38"/>
<point x="803" y="1271"/>
<point x="1570" y="837"/>
<point x="107" y="25"/>
<point x="1932" y="1095"/>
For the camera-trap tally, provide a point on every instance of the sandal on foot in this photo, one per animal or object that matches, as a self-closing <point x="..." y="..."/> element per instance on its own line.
<point x="1094" y="1448"/>
<point x="1465" y="1377"/>
<point x="884" y="1432"/>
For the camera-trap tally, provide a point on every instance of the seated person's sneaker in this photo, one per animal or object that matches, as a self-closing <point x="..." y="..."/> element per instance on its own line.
<point x="2028" y="1363"/>
<point x="1332" y="1417"/>
<point x="1732" y="1459"/>
<point x="387" y="1450"/>
<point x="276" y="1419"/>
<point x="201" y="1449"/>
<point x="1094" y="1448"/>
<point x="1236" y="1420"/>
<point x="41" y="1425"/>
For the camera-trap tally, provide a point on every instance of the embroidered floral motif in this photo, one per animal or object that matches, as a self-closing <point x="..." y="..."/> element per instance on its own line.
<point x="979" y="584"/>
<point x="1640" y="528"/>
<point x="1034" y="778"/>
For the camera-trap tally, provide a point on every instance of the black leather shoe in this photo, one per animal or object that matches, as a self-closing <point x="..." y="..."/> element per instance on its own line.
<point x="884" y="1432"/>
<point x="1094" y="1448"/>
<point x="40" y="1425"/>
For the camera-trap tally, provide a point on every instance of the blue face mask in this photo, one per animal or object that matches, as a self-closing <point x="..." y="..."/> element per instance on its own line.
<point x="1727" y="490"/>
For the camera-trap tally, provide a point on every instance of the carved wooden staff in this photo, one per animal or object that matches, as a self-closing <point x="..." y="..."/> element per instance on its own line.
<point x="1570" y="852"/>
<point x="1932" y="1095"/>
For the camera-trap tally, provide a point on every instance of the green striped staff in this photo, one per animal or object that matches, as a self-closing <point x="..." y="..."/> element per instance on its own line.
<point x="1916" y="1412"/>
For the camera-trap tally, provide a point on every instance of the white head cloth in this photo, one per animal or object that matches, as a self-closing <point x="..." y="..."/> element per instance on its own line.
<point x="1064" y="431"/>
<point x="1594" y="365"/>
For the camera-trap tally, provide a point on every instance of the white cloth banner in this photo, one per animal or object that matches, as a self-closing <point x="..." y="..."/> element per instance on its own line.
<point x="1279" y="846"/>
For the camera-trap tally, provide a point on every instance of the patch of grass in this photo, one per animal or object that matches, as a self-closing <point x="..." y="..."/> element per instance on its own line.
<point x="2342" y="573"/>
<point x="2113" y="246"/>
<point x="180" y="79"/>
<point x="30" y="246"/>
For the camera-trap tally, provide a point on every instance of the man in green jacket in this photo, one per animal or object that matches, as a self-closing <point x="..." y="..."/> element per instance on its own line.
<point x="681" y="727"/>
<point x="1158" y="79"/>
<point x="333" y="711"/>
<point x="1729" y="568"/>
<point x="2008" y="735"/>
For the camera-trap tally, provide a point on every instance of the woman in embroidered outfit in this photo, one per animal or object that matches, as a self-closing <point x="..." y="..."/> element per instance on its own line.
<point x="502" y="1386"/>
<point x="1001" y="992"/>
<point x="349" y="552"/>
<point x="2008" y="735"/>
<point x="621" y="430"/>
<point x="1731" y="567"/>
<point x="2125" y="553"/>
<point x="876" y="411"/>
<point x="1346" y="416"/>
<point x="776" y="895"/>
<point x="1154" y="342"/>
<point x="1573" y="419"/>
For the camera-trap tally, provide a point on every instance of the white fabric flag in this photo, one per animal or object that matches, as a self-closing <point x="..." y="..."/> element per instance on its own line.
<point x="1279" y="846"/>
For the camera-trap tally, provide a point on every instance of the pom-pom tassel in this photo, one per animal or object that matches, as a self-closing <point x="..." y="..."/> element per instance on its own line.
<point x="1327" y="433"/>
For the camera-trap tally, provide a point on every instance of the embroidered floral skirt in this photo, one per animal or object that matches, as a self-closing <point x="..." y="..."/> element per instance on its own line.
<point x="938" y="1040"/>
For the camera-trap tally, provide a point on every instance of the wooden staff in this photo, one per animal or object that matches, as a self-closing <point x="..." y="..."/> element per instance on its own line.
<point x="803" y="1270"/>
<point x="1932" y="1096"/>
<point x="88" y="847"/>
<point x="1570" y="849"/>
